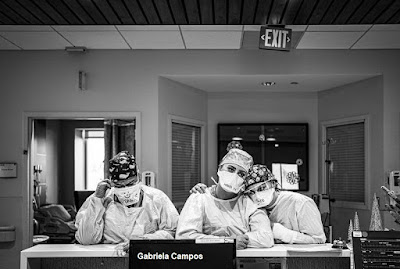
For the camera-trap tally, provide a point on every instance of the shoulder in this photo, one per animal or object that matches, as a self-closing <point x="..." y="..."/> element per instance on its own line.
<point x="153" y="193"/>
<point x="295" y="197"/>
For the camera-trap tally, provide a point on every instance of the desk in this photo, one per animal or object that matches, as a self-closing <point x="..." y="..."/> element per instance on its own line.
<point x="281" y="256"/>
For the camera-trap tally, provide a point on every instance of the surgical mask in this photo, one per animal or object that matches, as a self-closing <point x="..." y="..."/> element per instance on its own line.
<point x="128" y="195"/>
<point x="230" y="182"/>
<point x="263" y="198"/>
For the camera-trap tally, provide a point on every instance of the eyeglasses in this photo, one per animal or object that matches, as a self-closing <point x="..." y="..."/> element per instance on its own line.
<point x="266" y="185"/>
<point x="233" y="169"/>
<point x="125" y="183"/>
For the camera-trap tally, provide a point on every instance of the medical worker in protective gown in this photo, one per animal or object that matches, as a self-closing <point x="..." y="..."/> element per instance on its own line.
<point x="122" y="208"/>
<point x="222" y="212"/>
<point x="294" y="217"/>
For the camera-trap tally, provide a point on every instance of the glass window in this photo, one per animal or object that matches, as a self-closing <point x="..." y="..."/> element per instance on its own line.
<point x="186" y="160"/>
<point x="89" y="158"/>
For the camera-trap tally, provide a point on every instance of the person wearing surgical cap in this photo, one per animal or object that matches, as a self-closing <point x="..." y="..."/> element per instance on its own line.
<point x="222" y="212"/>
<point x="294" y="217"/>
<point x="122" y="208"/>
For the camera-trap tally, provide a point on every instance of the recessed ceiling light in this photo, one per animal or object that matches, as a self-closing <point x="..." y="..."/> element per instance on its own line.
<point x="294" y="83"/>
<point x="268" y="83"/>
<point x="236" y="138"/>
<point x="271" y="139"/>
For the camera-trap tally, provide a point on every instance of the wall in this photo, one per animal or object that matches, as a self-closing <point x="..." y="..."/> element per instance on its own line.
<point x="361" y="98"/>
<point x="176" y="99"/>
<point x="120" y="81"/>
<point x="53" y="157"/>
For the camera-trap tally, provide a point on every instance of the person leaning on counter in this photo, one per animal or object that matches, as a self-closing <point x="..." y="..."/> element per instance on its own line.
<point x="222" y="212"/>
<point x="294" y="217"/>
<point x="122" y="208"/>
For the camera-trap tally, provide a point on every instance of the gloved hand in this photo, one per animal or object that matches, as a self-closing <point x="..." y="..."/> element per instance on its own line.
<point x="199" y="188"/>
<point x="282" y="233"/>
<point x="242" y="241"/>
<point x="122" y="249"/>
<point x="102" y="188"/>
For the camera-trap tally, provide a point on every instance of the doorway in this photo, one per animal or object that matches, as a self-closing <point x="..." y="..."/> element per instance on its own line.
<point x="46" y="170"/>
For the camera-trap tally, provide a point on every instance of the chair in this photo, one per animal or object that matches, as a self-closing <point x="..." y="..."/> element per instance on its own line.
<point x="80" y="197"/>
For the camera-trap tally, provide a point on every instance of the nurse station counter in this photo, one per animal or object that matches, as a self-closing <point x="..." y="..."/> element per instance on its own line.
<point x="280" y="256"/>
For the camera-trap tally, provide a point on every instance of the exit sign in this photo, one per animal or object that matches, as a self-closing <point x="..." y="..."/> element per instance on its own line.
<point x="275" y="38"/>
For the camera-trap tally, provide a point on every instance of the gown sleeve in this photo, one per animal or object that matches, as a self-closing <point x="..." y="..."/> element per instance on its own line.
<point x="168" y="218"/>
<point x="190" y="224"/>
<point x="89" y="221"/>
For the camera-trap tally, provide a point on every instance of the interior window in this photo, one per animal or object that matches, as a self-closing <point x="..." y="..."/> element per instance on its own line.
<point x="89" y="158"/>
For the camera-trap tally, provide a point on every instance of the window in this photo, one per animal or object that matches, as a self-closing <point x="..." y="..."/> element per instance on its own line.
<point x="282" y="147"/>
<point x="186" y="161"/>
<point x="89" y="158"/>
<point x="345" y="161"/>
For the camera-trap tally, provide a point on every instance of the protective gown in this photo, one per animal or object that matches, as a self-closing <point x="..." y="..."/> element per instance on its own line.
<point x="299" y="217"/>
<point x="205" y="216"/>
<point x="103" y="220"/>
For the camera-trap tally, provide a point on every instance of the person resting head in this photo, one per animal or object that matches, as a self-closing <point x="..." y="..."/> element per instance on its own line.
<point x="261" y="186"/>
<point x="122" y="209"/>
<point x="294" y="217"/>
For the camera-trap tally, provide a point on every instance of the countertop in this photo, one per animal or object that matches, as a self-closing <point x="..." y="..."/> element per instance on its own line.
<point x="108" y="250"/>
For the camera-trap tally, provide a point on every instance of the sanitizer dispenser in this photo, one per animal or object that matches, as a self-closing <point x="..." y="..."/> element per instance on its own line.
<point x="148" y="178"/>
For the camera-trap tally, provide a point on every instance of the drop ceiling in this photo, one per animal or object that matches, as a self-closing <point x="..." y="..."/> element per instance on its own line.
<point x="196" y="24"/>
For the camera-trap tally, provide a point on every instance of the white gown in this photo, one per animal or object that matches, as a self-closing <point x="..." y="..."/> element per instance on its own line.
<point x="103" y="220"/>
<point x="300" y="216"/>
<point x="204" y="216"/>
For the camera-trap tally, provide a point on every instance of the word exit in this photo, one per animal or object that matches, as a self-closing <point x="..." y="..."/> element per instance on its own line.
<point x="274" y="38"/>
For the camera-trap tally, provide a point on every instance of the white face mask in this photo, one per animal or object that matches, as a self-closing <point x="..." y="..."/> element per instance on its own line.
<point x="230" y="182"/>
<point x="128" y="195"/>
<point x="263" y="198"/>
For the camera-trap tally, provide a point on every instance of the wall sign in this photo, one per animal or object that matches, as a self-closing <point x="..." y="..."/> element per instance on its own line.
<point x="8" y="170"/>
<point x="275" y="38"/>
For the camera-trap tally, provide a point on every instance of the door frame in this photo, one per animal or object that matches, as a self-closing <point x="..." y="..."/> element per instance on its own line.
<point x="28" y="117"/>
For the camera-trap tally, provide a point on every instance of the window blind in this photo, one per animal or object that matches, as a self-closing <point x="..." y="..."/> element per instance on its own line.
<point x="347" y="155"/>
<point x="186" y="160"/>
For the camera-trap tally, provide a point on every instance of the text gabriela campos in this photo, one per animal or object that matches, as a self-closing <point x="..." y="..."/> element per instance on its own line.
<point x="167" y="256"/>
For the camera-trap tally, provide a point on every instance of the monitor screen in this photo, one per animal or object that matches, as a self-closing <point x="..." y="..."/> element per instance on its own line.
<point x="182" y="254"/>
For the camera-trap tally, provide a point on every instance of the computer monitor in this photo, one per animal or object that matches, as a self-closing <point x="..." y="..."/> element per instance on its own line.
<point x="376" y="249"/>
<point x="182" y="254"/>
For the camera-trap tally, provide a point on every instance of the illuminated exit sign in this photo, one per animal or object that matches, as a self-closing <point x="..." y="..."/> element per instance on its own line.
<point x="275" y="38"/>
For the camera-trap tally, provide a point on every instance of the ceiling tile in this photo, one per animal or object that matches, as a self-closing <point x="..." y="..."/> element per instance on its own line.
<point x="154" y="39"/>
<point x="26" y="28"/>
<point x="83" y="28"/>
<point x="212" y="39"/>
<point x="338" y="28"/>
<point x="385" y="27"/>
<point x="211" y="27"/>
<point x="147" y="27"/>
<point x="36" y="40"/>
<point x="328" y="40"/>
<point x="379" y="40"/>
<point x="7" y="45"/>
<point x="96" y="40"/>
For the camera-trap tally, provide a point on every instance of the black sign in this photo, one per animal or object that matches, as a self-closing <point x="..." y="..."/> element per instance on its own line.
<point x="275" y="38"/>
<point x="181" y="254"/>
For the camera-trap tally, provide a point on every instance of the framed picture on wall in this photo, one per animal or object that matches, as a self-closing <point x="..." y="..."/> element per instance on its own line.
<point x="282" y="147"/>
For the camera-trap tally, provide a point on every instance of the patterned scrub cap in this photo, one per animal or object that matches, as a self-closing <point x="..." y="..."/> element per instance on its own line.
<point x="234" y="145"/>
<point x="258" y="173"/>
<point x="122" y="166"/>
<point x="238" y="157"/>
